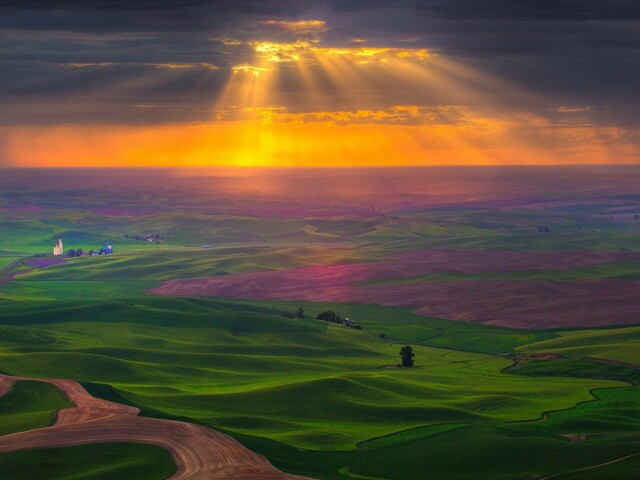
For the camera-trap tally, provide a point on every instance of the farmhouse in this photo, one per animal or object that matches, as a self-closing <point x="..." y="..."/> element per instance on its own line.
<point x="58" y="249"/>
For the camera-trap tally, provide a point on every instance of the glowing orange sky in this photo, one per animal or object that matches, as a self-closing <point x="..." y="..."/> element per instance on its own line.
<point x="253" y="125"/>
<point x="247" y="144"/>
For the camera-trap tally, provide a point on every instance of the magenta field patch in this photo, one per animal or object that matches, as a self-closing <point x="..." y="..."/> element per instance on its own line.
<point x="520" y="304"/>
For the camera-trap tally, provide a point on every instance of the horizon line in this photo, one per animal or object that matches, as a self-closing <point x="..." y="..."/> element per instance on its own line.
<point x="318" y="167"/>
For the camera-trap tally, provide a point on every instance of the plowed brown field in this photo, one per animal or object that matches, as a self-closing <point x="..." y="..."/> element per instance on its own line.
<point x="199" y="452"/>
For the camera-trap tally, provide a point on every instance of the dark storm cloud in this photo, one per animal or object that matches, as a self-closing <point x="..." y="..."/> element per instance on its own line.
<point x="486" y="28"/>
<point x="490" y="18"/>
<point x="106" y="16"/>
<point x="503" y="9"/>
<point x="576" y="52"/>
<point x="554" y="10"/>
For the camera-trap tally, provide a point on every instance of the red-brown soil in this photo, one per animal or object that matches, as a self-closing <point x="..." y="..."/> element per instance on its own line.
<point x="199" y="452"/>
<point x="534" y="305"/>
<point x="5" y="385"/>
<point x="519" y="304"/>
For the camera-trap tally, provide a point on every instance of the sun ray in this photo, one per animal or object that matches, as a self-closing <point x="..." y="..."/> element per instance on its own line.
<point x="304" y="103"/>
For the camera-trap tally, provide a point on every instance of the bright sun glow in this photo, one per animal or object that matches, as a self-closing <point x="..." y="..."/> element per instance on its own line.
<point x="309" y="51"/>
<point x="304" y="104"/>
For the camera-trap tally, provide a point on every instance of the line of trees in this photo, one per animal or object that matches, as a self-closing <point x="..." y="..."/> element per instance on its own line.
<point x="78" y="252"/>
<point x="299" y="313"/>
<point x="146" y="237"/>
<point x="329" y="316"/>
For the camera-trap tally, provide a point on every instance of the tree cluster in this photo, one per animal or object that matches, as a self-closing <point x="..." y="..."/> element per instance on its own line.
<point x="299" y="313"/>
<point x="145" y="237"/>
<point x="78" y="252"/>
<point x="329" y="316"/>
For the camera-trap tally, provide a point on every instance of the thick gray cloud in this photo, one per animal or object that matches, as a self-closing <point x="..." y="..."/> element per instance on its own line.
<point x="573" y="10"/>
<point x="102" y="61"/>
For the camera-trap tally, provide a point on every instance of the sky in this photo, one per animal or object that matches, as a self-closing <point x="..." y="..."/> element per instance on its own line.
<point x="318" y="83"/>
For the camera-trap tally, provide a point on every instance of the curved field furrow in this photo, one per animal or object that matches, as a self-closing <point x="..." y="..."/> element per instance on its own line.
<point x="199" y="452"/>
<point x="5" y="385"/>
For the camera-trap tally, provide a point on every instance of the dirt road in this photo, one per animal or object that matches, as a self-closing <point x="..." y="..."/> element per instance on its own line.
<point x="199" y="452"/>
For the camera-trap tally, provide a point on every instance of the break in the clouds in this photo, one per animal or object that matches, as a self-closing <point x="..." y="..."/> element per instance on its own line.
<point x="561" y="72"/>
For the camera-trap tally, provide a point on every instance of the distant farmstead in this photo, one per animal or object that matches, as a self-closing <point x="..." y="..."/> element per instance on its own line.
<point x="58" y="249"/>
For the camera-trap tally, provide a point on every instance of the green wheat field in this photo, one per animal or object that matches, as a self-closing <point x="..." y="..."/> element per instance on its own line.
<point x="483" y="401"/>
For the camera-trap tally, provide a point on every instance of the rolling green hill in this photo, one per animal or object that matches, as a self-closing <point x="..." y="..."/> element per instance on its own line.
<point x="327" y="390"/>
<point x="317" y="399"/>
<point x="98" y="461"/>
<point x="30" y="405"/>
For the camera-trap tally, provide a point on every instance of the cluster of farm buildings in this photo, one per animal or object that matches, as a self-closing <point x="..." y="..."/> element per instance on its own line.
<point x="58" y="250"/>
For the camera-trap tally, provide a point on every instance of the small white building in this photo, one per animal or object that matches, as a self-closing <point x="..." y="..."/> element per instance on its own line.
<point x="58" y="249"/>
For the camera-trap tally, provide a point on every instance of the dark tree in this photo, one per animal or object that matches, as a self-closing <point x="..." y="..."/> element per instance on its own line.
<point x="79" y="252"/>
<point x="327" y="316"/>
<point x="71" y="253"/>
<point x="299" y="313"/>
<point x="406" y="354"/>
